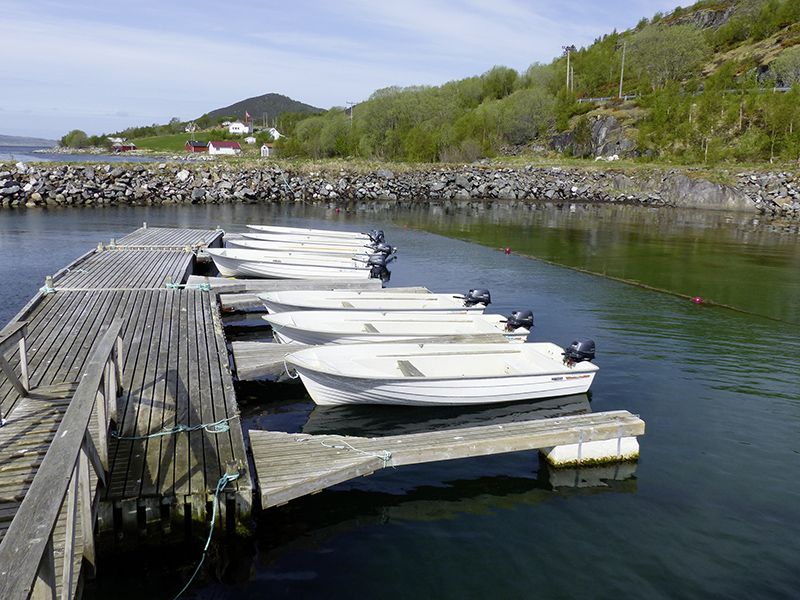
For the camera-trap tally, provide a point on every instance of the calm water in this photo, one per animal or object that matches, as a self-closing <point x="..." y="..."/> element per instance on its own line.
<point x="711" y="509"/>
<point x="26" y="154"/>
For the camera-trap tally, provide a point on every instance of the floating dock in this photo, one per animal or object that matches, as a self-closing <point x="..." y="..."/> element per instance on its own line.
<point x="119" y="410"/>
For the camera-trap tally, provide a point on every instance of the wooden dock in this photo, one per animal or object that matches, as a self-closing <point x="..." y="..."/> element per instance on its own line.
<point x="291" y="465"/>
<point x="171" y="356"/>
<point x="119" y="412"/>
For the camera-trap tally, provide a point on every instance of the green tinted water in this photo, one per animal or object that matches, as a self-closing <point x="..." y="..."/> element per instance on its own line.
<point x="728" y="259"/>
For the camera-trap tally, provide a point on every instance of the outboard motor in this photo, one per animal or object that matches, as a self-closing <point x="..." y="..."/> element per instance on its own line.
<point x="478" y="296"/>
<point x="519" y="318"/>
<point x="377" y="264"/>
<point x="578" y="351"/>
<point x="384" y="249"/>
<point x="377" y="236"/>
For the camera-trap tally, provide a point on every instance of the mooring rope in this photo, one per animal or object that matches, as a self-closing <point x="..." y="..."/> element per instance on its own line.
<point x="384" y="455"/>
<point x="216" y="427"/>
<point x="203" y="287"/>
<point x="288" y="373"/>
<point x="221" y="484"/>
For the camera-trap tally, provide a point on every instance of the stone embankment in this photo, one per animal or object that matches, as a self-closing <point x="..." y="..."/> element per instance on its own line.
<point x="26" y="185"/>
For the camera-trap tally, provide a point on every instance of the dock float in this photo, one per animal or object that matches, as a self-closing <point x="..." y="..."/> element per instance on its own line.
<point x="291" y="465"/>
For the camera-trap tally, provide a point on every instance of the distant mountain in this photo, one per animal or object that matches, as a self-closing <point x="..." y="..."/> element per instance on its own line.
<point x="270" y="105"/>
<point x="16" y="140"/>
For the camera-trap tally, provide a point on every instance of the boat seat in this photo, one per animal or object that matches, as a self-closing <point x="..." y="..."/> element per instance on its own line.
<point x="409" y="370"/>
<point x="370" y="328"/>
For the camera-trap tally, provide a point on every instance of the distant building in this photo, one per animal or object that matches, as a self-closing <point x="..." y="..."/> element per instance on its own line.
<point x="239" y="128"/>
<point x="224" y="147"/>
<point x="250" y="140"/>
<point x="195" y="146"/>
<point x="266" y="150"/>
<point x="116" y="140"/>
<point x="123" y="147"/>
<point x="274" y="133"/>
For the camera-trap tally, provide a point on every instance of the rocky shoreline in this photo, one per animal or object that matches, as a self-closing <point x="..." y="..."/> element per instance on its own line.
<point x="49" y="185"/>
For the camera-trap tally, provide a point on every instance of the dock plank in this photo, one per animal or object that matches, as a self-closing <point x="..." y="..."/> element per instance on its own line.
<point x="290" y="465"/>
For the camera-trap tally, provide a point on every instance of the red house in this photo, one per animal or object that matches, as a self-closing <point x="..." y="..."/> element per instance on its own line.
<point x="124" y="147"/>
<point x="195" y="146"/>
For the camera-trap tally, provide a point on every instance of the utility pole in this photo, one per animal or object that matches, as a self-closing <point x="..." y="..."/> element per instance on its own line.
<point x="622" y="70"/>
<point x="570" y="74"/>
<point x="351" y="105"/>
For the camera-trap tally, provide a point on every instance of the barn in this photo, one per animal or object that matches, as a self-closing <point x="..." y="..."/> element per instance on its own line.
<point x="195" y="146"/>
<point x="224" y="147"/>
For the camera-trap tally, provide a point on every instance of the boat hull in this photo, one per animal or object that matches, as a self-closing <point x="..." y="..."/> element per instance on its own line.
<point x="372" y="327"/>
<point x="231" y="267"/>
<point x="332" y="233"/>
<point x="274" y="306"/>
<point x="327" y="390"/>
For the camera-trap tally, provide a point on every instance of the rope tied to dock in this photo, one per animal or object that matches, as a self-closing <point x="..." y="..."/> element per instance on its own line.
<point x="216" y="428"/>
<point x="384" y="455"/>
<point x="220" y="487"/>
<point x="288" y="373"/>
<point x="203" y="287"/>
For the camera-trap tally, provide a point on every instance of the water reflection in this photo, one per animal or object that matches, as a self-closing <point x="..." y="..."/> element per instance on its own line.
<point x="376" y="421"/>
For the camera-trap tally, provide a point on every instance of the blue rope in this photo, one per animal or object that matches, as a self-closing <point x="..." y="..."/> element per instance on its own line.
<point x="216" y="427"/>
<point x="221" y="484"/>
<point x="203" y="287"/>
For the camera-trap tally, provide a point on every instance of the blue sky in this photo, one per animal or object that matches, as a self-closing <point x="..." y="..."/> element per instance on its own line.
<point x="103" y="66"/>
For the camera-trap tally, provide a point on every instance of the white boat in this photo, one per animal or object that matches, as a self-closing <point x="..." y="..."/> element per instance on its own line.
<point x="233" y="263"/>
<point x="307" y="258"/>
<point x="354" y="327"/>
<point x="308" y="240"/>
<point x="294" y="247"/>
<point x="335" y="233"/>
<point x="286" y="301"/>
<point x="438" y="374"/>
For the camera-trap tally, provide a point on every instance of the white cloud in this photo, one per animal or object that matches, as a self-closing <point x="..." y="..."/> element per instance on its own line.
<point x="106" y="70"/>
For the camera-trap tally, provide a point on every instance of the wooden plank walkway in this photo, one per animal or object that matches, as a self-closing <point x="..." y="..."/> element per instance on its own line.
<point x="176" y="373"/>
<point x="176" y="237"/>
<point x="127" y="269"/>
<point x="291" y="465"/>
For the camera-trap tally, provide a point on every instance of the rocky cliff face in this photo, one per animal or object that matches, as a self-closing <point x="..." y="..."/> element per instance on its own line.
<point x="46" y="185"/>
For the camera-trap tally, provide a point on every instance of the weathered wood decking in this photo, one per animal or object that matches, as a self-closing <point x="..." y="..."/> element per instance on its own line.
<point x="175" y="371"/>
<point x="290" y="465"/>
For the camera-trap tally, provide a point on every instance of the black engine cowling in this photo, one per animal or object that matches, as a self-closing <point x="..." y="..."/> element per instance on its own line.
<point x="519" y="318"/>
<point x="377" y="236"/>
<point x="377" y="264"/>
<point x="477" y="296"/>
<point x="384" y="249"/>
<point x="580" y="350"/>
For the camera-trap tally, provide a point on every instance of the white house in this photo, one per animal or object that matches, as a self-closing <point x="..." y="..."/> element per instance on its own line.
<point x="249" y="140"/>
<point x="224" y="147"/>
<point x="274" y="133"/>
<point x="266" y="150"/>
<point x="239" y="128"/>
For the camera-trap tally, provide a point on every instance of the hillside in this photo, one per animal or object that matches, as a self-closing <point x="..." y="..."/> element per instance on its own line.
<point x="270" y="106"/>
<point x="16" y="140"/>
<point x="699" y="85"/>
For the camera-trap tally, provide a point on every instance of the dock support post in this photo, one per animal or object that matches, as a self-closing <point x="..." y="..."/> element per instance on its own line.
<point x="44" y="587"/>
<point x="87" y="521"/>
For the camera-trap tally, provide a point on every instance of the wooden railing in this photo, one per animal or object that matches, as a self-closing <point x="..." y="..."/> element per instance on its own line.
<point x="63" y="482"/>
<point x="13" y="338"/>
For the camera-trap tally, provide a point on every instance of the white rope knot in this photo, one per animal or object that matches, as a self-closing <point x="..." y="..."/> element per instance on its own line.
<point x="288" y="373"/>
